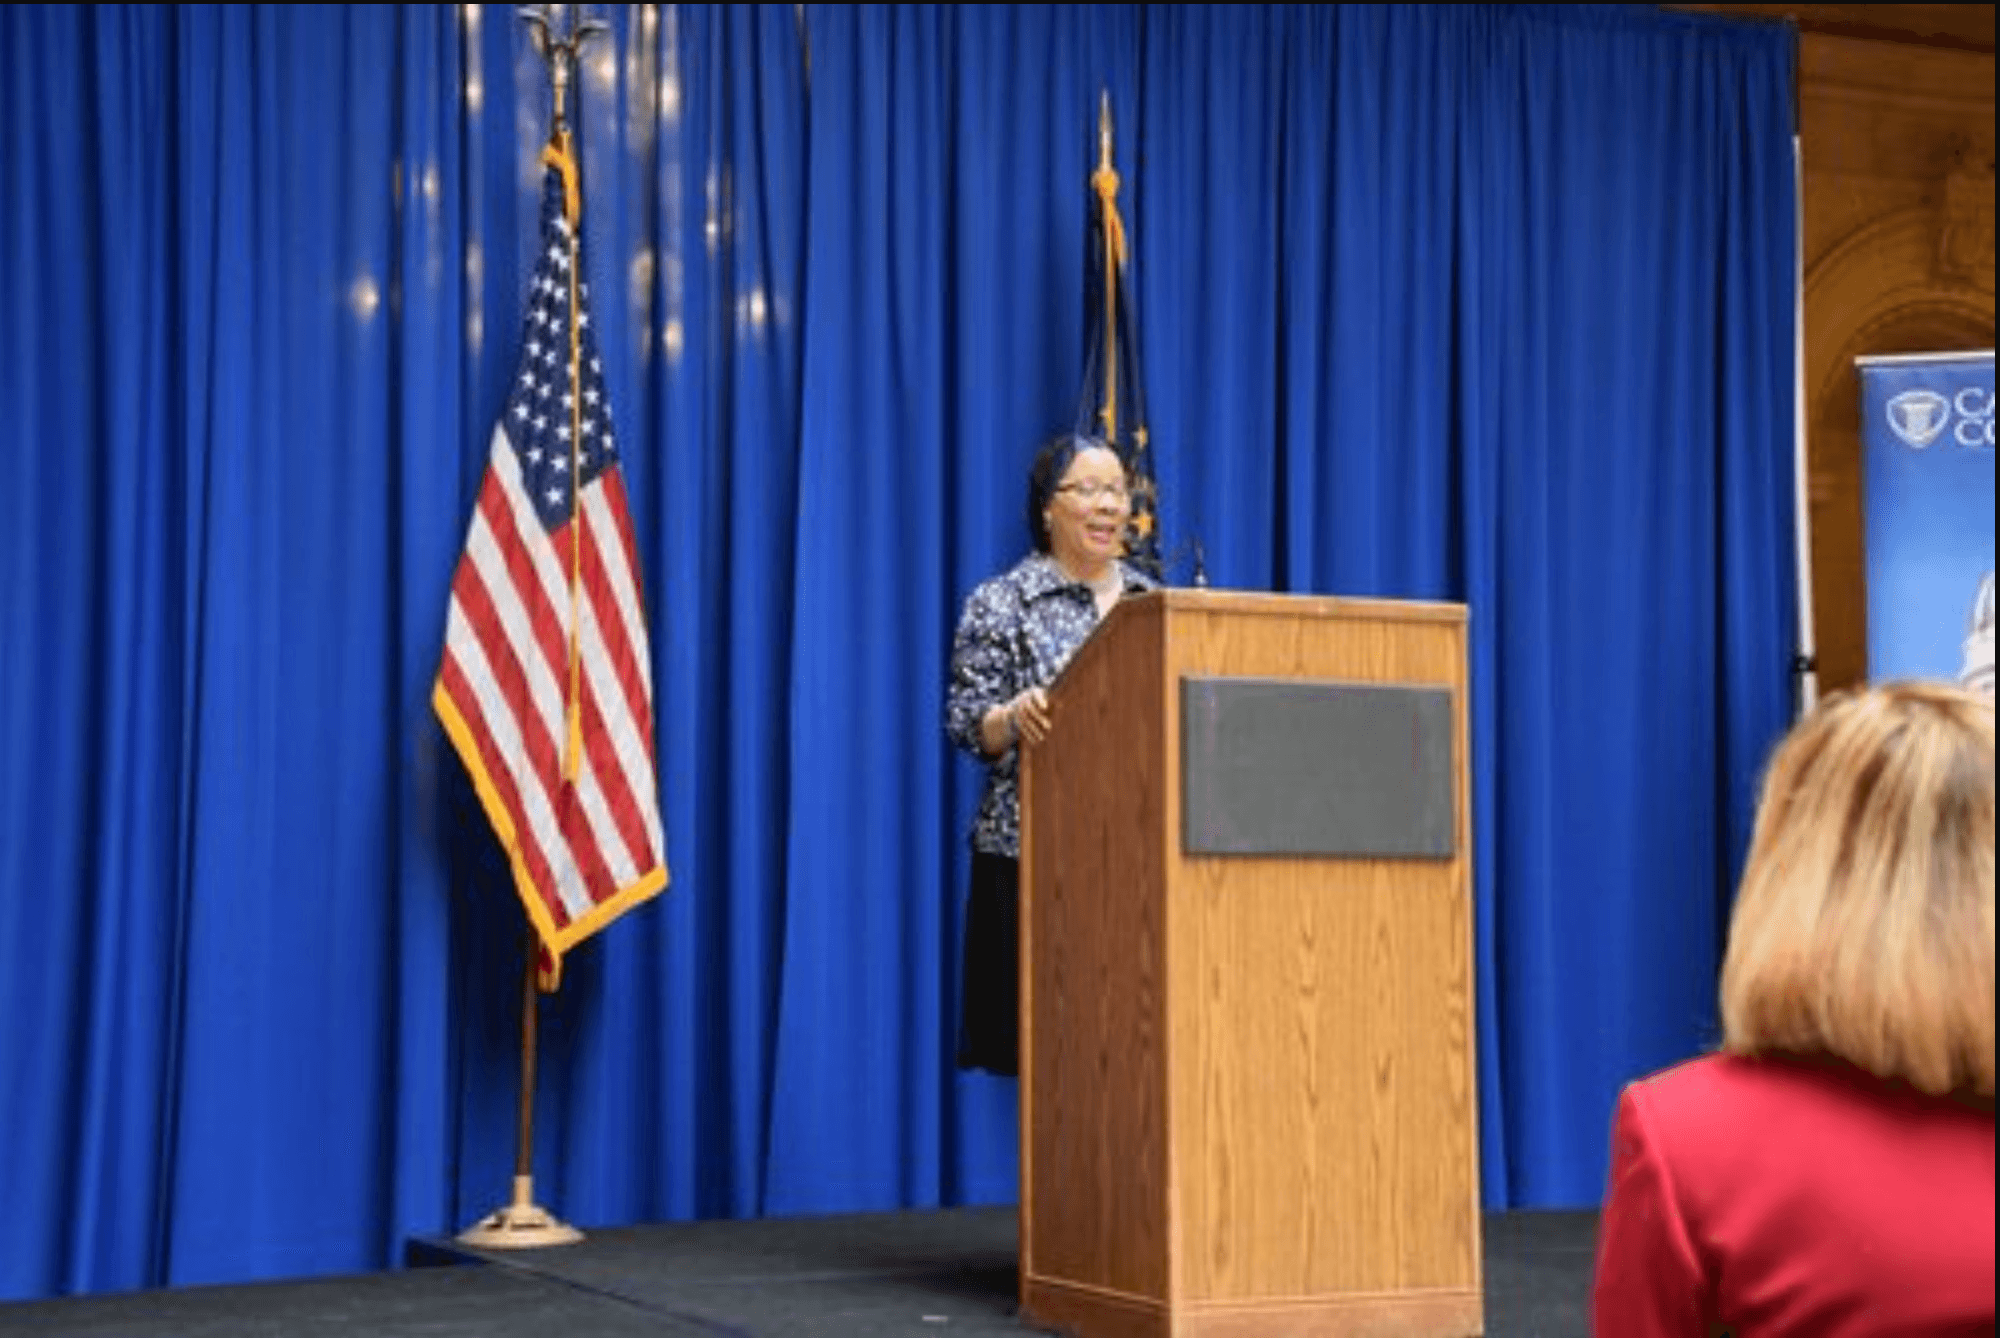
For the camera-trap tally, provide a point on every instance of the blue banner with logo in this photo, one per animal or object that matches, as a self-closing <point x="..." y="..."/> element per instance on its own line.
<point x="1927" y="447"/>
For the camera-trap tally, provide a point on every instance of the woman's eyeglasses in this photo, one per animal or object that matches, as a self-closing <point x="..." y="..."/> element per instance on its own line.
<point x="1090" y="492"/>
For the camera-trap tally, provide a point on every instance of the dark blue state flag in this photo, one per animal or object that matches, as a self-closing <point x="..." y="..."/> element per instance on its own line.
<point x="1112" y="404"/>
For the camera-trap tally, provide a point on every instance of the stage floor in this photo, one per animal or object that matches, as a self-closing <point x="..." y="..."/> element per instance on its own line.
<point x="946" y="1274"/>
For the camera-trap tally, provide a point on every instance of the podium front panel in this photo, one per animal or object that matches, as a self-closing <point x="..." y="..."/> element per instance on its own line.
<point x="1321" y="1008"/>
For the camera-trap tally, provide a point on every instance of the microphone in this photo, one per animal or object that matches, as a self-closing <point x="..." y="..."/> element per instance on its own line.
<point x="1187" y="550"/>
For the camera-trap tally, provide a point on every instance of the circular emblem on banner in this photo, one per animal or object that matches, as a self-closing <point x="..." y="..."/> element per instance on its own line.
<point x="1918" y="416"/>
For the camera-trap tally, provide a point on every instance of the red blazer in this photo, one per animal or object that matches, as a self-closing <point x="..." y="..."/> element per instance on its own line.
<point x="1773" y="1199"/>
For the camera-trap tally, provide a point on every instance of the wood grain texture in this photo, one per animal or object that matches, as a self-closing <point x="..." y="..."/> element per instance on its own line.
<point x="1093" y="1086"/>
<point x="1072" y="1309"/>
<point x="1248" y="1094"/>
<point x="1964" y="27"/>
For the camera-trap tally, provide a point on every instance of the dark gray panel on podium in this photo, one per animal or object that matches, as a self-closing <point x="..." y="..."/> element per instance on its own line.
<point x="1283" y="767"/>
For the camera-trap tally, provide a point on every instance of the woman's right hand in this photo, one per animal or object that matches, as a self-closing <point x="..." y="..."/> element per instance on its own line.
<point x="1024" y="717"/>
<point x="1030" y="713"/>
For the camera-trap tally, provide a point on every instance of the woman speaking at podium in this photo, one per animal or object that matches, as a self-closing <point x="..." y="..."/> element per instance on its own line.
<point x="1016" y="632"/>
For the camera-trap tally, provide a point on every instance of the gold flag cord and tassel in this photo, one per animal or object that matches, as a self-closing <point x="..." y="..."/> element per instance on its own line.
<point x="1105" y="182"/>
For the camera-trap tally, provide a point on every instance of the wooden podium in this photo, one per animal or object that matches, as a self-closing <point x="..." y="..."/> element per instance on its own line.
<point x="1248" y="1106"/>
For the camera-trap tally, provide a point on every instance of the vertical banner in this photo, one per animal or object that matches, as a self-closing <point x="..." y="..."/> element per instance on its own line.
<point x="1927" y="477"/>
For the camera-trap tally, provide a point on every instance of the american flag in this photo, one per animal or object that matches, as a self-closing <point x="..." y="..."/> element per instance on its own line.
<point x="546" y="683"/>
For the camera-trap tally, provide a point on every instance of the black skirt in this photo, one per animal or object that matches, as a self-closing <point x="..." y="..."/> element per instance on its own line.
<point x="989" y="1031"/>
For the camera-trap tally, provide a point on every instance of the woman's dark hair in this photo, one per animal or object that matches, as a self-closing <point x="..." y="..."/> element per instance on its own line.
<point x="1051" y="463"/>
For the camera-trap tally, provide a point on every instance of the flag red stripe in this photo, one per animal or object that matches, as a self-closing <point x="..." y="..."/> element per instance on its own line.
<point x="598" y="882"/>
<point x="628" y="549"/>
<point x="542" y="754"/>
<point x="620" y="715"/>
<point x="599" y="740"/>
<point x="545" y="751"/>
<point x="523" y="578"/>
<point x="510" y="677"/>
<point x="618" y="798"/>
<point x="452" y="679"/>
<point x="621" y="654"/>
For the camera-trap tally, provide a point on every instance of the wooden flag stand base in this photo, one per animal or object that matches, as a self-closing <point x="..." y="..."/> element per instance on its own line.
<point x="523" y="1224"/>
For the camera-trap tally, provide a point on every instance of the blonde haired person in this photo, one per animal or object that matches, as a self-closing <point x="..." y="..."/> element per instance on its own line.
<point x="1829" y="1174"/>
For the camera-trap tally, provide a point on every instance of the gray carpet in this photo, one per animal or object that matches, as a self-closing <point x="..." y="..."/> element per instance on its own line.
<point x="947" y="1274"/>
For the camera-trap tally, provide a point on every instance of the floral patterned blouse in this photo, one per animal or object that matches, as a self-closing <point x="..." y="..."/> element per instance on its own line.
<point x="1017" y="631"/>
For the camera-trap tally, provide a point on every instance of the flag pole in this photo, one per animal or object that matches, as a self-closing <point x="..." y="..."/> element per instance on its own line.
<point x="1130" y="440"/>
<point x="524" y="1224"/>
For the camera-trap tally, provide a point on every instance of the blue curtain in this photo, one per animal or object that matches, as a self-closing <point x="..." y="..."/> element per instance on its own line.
<point x="1481" y="303"/>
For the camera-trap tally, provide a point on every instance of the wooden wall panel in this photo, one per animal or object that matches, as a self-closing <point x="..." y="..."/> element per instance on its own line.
<point x="1897" y="147"/>
<point x="1896" y="141"/>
